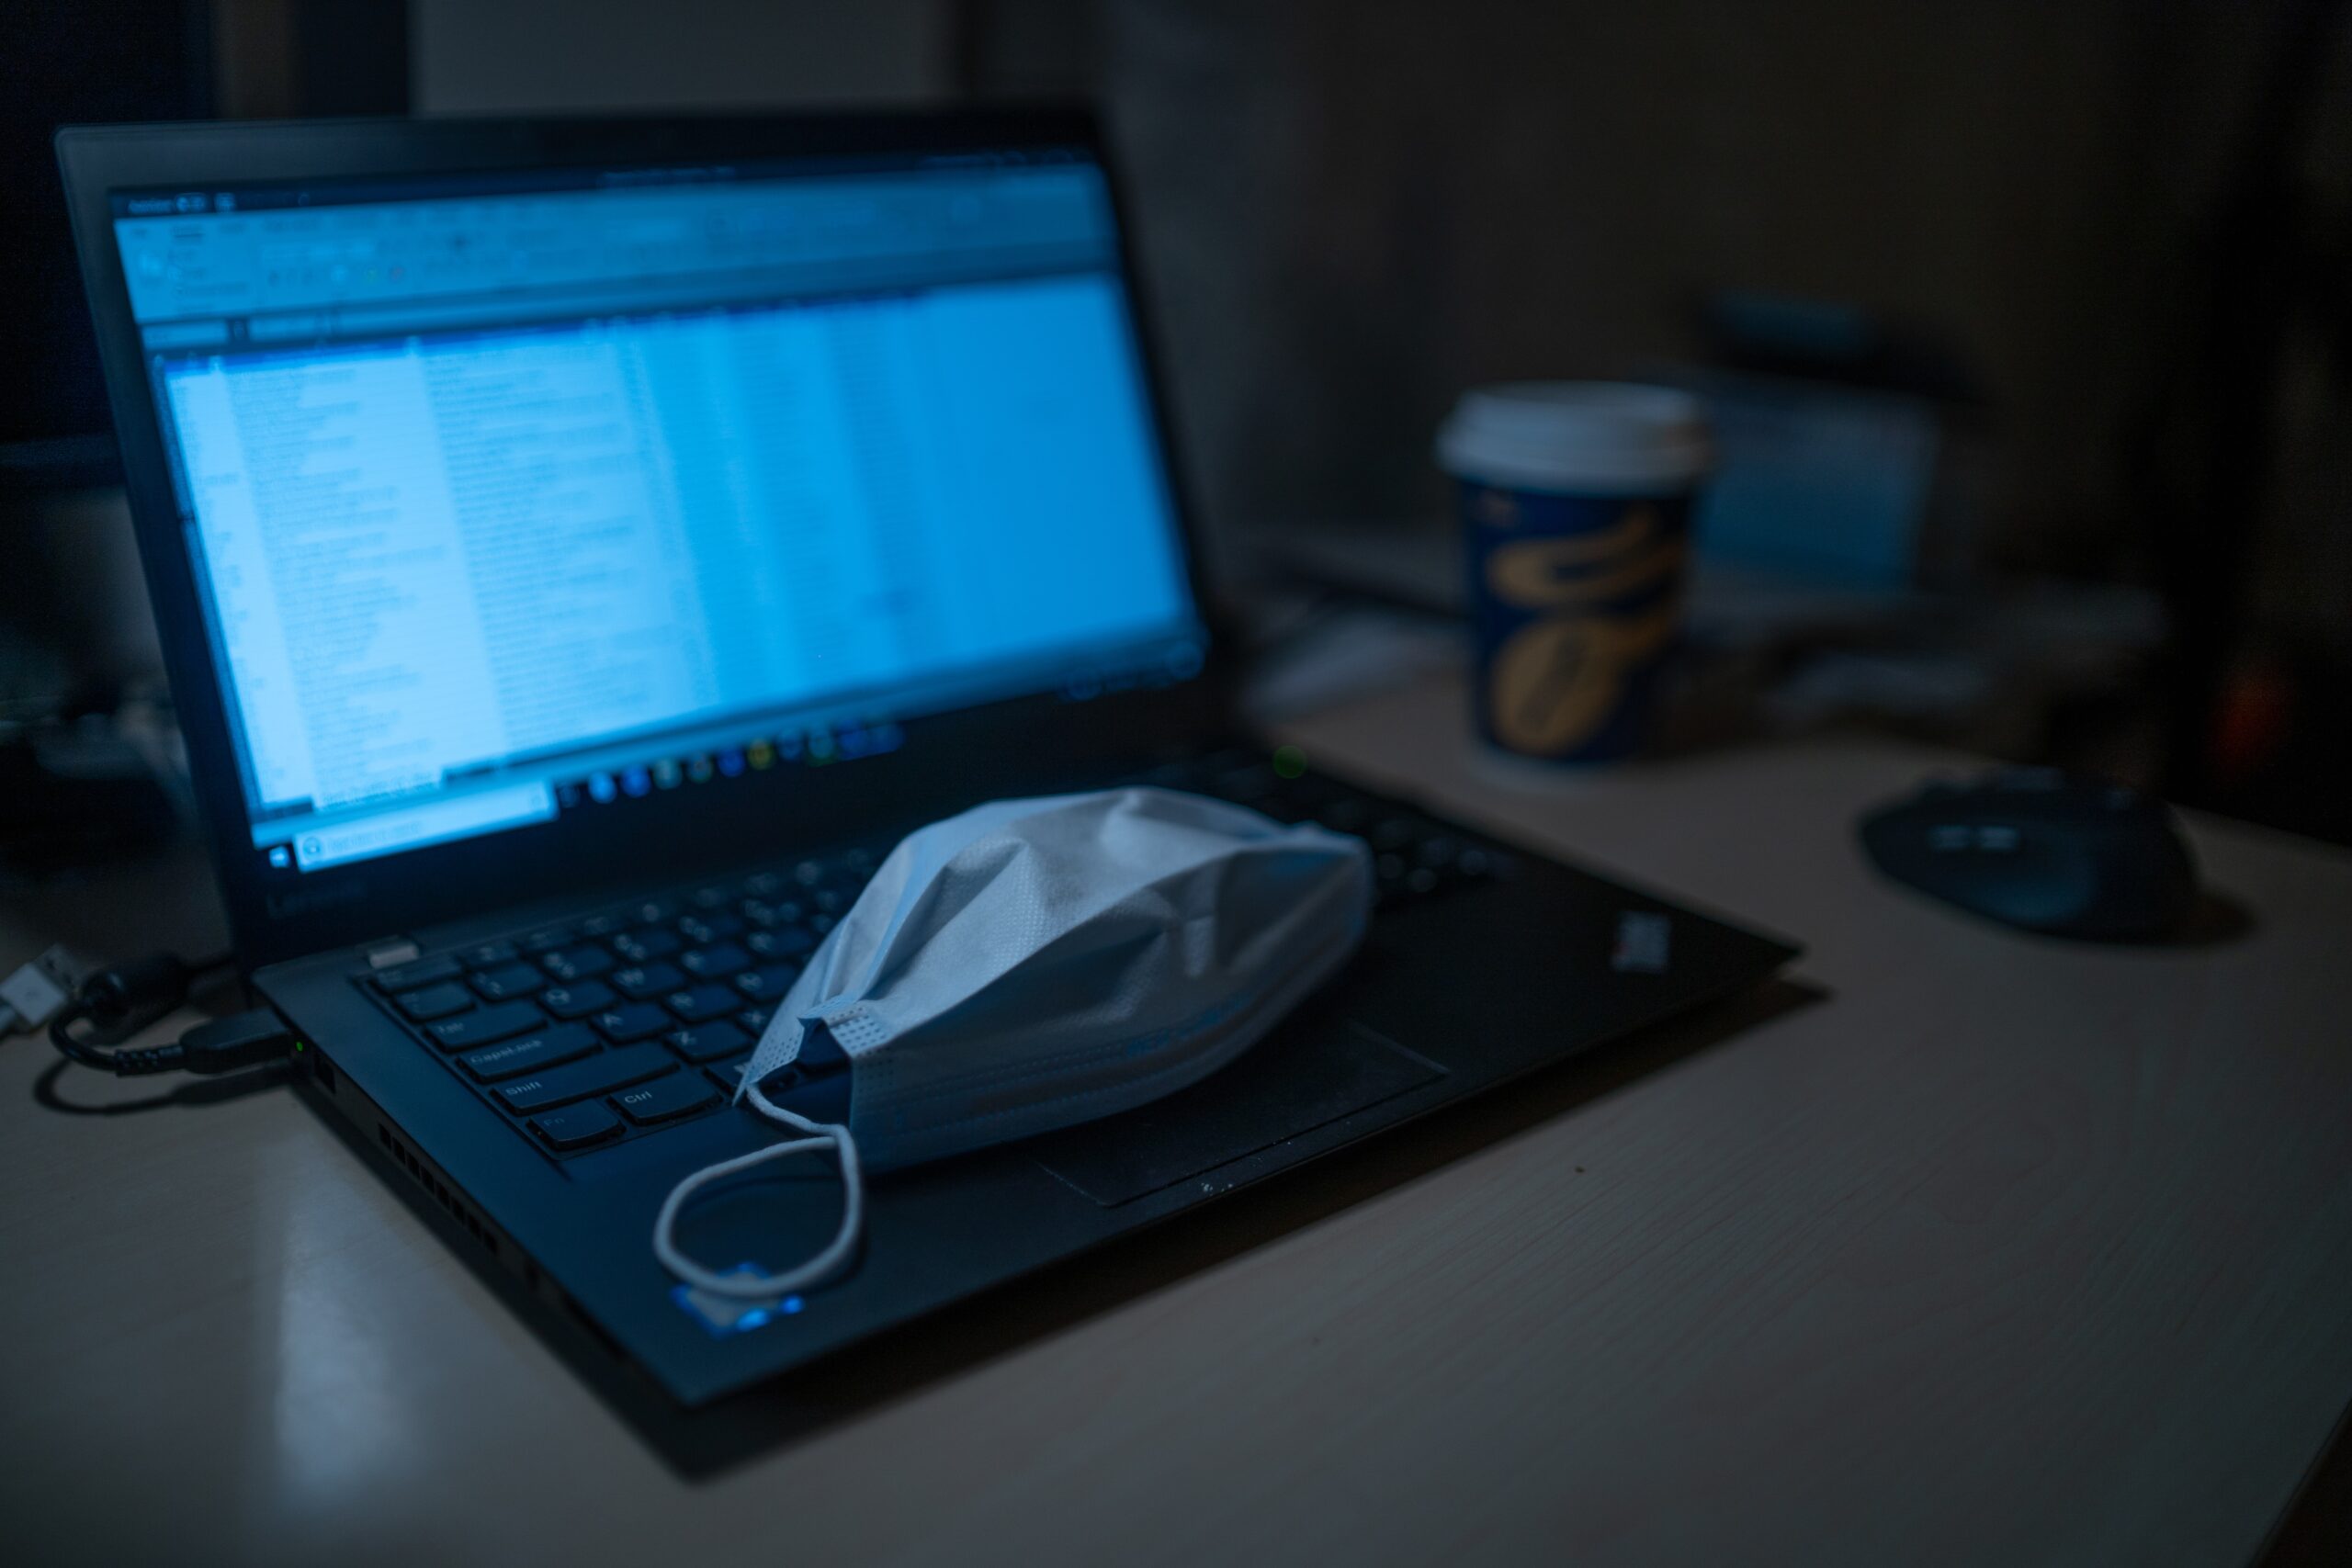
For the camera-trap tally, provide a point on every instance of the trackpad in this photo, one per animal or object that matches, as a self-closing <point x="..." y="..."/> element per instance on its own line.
<point x="1300" y="1080"/>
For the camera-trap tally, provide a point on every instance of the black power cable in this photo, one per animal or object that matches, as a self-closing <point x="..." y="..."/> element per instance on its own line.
<point x="115" y="1003"/>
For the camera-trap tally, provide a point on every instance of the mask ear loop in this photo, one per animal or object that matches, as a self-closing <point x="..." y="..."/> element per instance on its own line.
<point x="755" y="1285"/>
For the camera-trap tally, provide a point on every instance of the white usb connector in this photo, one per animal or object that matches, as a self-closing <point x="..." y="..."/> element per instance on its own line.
<point x="30" y="997"/>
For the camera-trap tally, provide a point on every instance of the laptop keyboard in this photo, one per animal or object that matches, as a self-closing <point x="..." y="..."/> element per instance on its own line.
<point x="589" y="1032"/>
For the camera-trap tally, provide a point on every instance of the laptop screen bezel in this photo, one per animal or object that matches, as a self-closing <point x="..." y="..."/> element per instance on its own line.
<point x="949" y="760"/>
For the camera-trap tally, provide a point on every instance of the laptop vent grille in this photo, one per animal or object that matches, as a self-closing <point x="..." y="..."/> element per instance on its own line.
<point x="457" y="1208"/>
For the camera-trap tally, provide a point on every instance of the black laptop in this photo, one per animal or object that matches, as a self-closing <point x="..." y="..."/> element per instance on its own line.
<point x="582" y="549"/>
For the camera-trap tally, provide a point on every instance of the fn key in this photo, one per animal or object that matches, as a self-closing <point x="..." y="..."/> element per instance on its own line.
<point x="665" y="1099"/>
<point x="576" y="1126"/>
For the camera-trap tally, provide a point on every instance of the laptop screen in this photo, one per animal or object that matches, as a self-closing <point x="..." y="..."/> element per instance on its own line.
<point x="512" y="496"/>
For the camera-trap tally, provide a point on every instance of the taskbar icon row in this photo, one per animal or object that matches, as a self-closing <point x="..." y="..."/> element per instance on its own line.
<point x="811" y="748"/>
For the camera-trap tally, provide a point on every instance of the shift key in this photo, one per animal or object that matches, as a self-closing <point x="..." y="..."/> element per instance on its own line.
<point x="598" y="1075"/>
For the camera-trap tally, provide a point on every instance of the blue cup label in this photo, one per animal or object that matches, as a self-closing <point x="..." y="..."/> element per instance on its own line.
<point x="1577" y="600"/>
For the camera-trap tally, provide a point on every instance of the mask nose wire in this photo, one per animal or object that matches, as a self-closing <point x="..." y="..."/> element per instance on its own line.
<point x="757" y="1285"/>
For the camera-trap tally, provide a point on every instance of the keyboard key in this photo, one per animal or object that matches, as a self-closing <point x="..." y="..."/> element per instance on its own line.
<point x="640" y="981"/>
<point x="1481" y="863"/>
<point x="577" y="1001"/>
<point x="576" y="1126"/>
<point x="704" y="929"/>
<point x="548" y="941"/>
<point x="665" y="1099"/>
<point x="488" y="954"/>
<point x="755" y="1020"/>
<point x="790" y="941"/>
<point x="585" y="963"/>
<point x="653" y="911"/>
<point x="728" y="1075"/>
<point x="486" y="1027"/>
<point x="761" y="912"/>
<point x="712" y="897"/>
<point x="763" y="885"/>
<point x="767" y="983"/>
<point x="433" y="1001"/>
<point x="603" y="925"/>
<point x="600" y="1074"/>
<point x="1247" y="783"/>
<point x="508" y="981"/>
<point x="549" y="1048"/>
<point x="418" y="972"/>
<point x="709" y="1042"/>
<point x="631" y="1020"/>
<point x="716" y="963"/>
<point x="696" y="1003"/>
<point x="1312" y="790"/>
<point x="645" y="946"/>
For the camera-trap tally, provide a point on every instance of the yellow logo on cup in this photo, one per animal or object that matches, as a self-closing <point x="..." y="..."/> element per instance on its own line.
<point x="1559" y="678"/>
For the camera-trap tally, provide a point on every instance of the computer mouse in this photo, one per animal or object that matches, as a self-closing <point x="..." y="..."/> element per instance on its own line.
<point x="2044" y="851"/>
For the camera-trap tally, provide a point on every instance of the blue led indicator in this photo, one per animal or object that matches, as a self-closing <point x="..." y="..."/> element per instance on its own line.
<point x="721" y="1316"/>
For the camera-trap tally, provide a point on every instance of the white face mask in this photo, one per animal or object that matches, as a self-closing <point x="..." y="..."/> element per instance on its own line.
<point x="1035" y="963"/>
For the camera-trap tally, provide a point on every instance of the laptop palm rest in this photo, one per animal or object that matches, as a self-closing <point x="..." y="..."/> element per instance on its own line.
<point x="1300" y="1078"/>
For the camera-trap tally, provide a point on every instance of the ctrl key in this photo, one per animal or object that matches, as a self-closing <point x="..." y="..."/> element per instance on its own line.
<point x="665" y="1099"/>
<point x="576" y="1126"/>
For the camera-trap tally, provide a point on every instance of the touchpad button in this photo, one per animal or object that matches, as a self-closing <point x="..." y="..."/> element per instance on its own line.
<point x="1299" y="1080"/>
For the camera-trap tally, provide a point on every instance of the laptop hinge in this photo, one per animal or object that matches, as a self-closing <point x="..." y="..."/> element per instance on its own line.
<point x="385" y="952"/>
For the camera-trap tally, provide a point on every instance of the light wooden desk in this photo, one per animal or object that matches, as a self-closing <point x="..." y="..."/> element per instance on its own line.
<point x="2004" y="1251"/>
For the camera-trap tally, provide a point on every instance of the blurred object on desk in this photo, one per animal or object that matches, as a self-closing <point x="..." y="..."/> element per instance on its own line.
<point x="1817" y="481"/>
<point x="91" y="767"/>
<point x="1850" y="448"/>
<point x="2039" y="672"/>
<point x="1314" y="650"/>
<point x="74" y="609"/>
<point x="103" y="779"/>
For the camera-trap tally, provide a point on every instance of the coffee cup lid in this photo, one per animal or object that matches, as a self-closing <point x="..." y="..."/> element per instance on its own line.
<point x="1606" y="438"/>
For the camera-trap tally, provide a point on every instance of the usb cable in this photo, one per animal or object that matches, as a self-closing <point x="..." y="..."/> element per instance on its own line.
<point x="222" y="1046"/>
<point x="110" y="1006"/>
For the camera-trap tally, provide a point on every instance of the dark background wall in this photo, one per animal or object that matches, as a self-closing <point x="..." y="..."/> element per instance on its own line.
<point x="1355" y="209"/>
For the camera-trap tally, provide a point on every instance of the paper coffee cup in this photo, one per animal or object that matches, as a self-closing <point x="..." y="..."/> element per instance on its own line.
<point x="1575" y="499"/>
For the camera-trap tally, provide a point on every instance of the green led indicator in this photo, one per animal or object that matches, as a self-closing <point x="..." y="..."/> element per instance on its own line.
<point x="1290" y="761"/>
